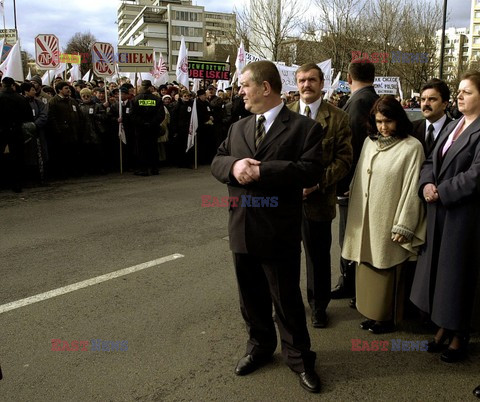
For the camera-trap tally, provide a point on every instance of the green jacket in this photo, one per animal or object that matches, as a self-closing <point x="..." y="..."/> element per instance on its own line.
<point x="337" y="156"/>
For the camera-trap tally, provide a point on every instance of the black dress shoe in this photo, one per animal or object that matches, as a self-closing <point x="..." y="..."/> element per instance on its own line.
<point x="342" y="292"/>
<point x="249" y="363"/>
<point x="353" y="303"/>
<point x="476" y="392"/>
<point x="309" y="380"/>
<point x="384" y="327"/>
<point x="142" y="173"/>
<point x="319" y="319"/>
<point x="454" y="355"/>
<point x="367" y="324"/>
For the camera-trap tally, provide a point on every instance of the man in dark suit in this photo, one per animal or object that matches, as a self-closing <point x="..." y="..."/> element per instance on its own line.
<point x="266" y="161"/>
<point x="434" y="98"/>
<point x="360" y="77"/>
<point x="319" y="205"/>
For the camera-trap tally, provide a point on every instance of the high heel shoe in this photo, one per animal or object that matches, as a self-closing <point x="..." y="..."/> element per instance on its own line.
<point x="435" y="347"/>
<point x="456" y="355"/>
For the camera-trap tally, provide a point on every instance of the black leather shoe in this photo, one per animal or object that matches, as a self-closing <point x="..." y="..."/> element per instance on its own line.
<point x="476" y="392"/>
<point x="342" y="292"/>
<point x="382" y="327"/>
<point x="319" y="319"/>
<point x="367" y="324"/>
<point x="309" y="380"/>
<point x="249" y="363"/>
<point x="353" y="303"/>
<point x="454" y="355"/>
<point x="142" y="173"/>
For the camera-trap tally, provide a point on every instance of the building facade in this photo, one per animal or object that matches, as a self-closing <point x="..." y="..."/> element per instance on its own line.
<point x="161" y="24"/>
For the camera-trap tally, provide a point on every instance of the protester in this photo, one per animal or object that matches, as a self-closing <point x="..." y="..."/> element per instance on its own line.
<point x="446" y="283"/>
<point x="14" y="111"/>
<point x="179" y="127"/>
<point x="385" y="224"/>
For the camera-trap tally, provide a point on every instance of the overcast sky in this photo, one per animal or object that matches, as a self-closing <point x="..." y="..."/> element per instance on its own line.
<point x="66" y="17"/>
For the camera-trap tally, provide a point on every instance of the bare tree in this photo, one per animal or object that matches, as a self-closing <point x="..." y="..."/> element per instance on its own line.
<point x="268" y="23"/>
<point x="81" y="43"/>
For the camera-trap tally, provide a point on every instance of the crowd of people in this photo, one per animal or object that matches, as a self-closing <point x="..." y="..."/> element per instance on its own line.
<point x="408" y="197"/>
<point x="73" y="129"/>
<point x="405" y="191"/>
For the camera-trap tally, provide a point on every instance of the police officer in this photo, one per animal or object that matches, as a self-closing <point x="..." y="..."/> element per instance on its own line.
<point x="147" y="114"/>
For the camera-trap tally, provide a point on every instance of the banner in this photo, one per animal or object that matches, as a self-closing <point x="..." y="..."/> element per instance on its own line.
<point x="387" y="85"/>
<point x="212" y="70"/>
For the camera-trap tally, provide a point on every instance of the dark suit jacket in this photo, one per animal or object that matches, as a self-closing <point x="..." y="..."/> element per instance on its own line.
<point x="291" y="159"/>
<point x="358" y="108"/>
<point x="419" y="130"/>
<point x="337" y="156"/>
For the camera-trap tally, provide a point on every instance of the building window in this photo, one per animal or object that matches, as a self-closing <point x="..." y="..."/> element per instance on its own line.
<point x="187" y="16"/>
<point x="191" y="46"/>
<point x="477" y="14"/>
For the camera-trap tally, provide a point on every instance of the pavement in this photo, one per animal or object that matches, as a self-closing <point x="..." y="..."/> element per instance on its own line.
<point x="136" y="267"/>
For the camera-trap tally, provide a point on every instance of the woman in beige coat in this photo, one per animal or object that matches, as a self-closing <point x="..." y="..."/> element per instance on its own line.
<point x="385" y="224"/>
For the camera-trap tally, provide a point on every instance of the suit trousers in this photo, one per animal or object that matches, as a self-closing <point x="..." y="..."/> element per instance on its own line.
<point x="262" y="282"/>
<point x="317" y="241"/>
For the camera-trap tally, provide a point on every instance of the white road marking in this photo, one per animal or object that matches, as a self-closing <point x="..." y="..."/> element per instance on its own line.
<point x="89" y="282"/>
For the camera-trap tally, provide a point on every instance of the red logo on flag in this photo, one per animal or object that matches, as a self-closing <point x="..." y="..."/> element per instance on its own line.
<point x="47" y="51"/>
<point x="103" y="56"/>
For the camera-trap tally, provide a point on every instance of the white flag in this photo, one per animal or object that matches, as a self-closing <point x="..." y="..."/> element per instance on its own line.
<point x="240" y="61"/>
<point x="58" y="72"/>
<point x="182" y="64"/>
<point x="12" y="66"/>
<point x="46" y="78"/>
<point x="333" y="87"/>
<point x="222" y="84"/>
<point x="192" y="129"/>
<point x="196" y="84"/>
<point x="29" y="75"/>
<point x="75" y="73"/>
<point x="86" y="77"/>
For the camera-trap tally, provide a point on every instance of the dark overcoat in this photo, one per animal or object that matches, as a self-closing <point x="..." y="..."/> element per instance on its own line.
<point x="446" y="277"/>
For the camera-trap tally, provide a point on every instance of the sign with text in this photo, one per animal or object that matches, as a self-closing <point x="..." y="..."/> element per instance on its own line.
<point x="10" y="35"/>
<point x="210" y="70"/>
<point x="103" y="57"/>
<point x="387" y="85"/>
<point x="47" y="51"/>
<point x="135" y="58"/>
<point x="70" y="58"/>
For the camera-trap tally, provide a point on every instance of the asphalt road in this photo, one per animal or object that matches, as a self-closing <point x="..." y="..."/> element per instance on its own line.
<point x="179" y="321"/>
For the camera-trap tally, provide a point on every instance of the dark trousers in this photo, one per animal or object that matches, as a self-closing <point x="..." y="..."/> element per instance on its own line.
<point x="262" y="282"/>
<point x="347" y="268"/>
<point x="317" y="241"/>
<point x="148" y="149"/>
<point x="13" y="162"/>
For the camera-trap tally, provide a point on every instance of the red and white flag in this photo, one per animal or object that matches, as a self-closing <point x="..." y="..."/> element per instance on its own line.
<point x="160" y="72"/>
<point x="240" y="61"/>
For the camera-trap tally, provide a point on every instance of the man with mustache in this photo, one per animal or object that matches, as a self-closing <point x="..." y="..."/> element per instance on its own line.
<point x="434" y="97"/>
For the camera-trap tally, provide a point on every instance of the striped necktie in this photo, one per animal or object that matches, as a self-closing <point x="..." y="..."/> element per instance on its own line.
<point x="260" y="131"/>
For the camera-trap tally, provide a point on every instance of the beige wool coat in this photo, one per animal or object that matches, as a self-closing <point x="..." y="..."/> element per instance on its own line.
<point x="384" y="200"/>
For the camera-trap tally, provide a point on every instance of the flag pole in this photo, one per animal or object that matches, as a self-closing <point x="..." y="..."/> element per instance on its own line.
<point x="121" y="115"/>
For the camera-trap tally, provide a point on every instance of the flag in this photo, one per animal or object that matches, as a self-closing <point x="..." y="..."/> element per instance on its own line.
<point x="222" y="84"/>
<point x="46" y="78"/>
<point x="196" y="84"/>
<point x="12" y="66"/>
<point x="160" y="71"/>
<point x="75" y="73"/>
<point x="29" y="75"/>
<point x="86" y="77"/>
<point x="58" y="72"/>
<point x="182" y="64"/>
<point x="240" y="61"/>
<point x="333" y="87"/>
<point x="192" y="129"/>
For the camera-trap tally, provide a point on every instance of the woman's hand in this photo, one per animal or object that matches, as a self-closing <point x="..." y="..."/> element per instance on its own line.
<point x="398" y="238"/>
<point x="430" y="193"/>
